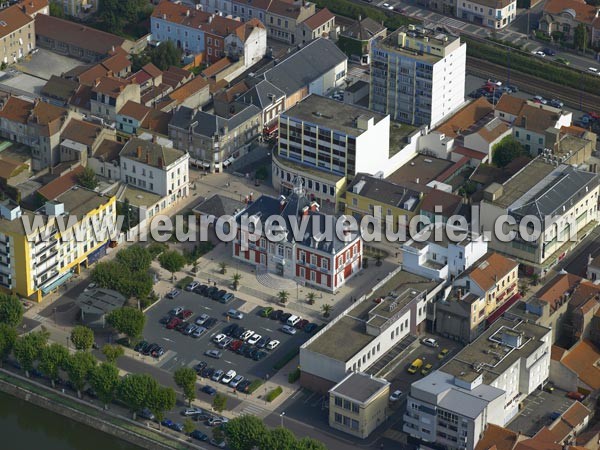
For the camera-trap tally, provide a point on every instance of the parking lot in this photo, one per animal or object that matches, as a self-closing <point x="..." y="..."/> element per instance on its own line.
<point x="44" y="63"/>
<point x="182" y="350"/>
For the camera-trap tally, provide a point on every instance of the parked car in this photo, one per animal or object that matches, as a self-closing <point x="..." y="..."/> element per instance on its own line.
<point x="272" y="345"/>
<point x="140" y="346"/>
<point x="158" y="352"/>
<point x="549" y="51"/>
<point x="180" y="326"/>
<point x="173" y="323"/>
<point x="247" y="335"/>
<point x="191" y="286"/>
<point x="563" y="61"/>
<point x="555" y="415"/>
<point x="201" y="319"/>
<point x="555" y="103"/>
<point x="228" y="377"/>
<point x="395" y="396"/>
<point x="199" y="435"/>
<point x="209" y="390"/>
<point x="236" y="381"/>
<point x="388" y="6"/>
<point x="300" y="325"/>
<point x="201" y="289"/>
<point x="176" y="311"/>
<point x="218" y="338"/>
<point x="200" y="367"/>
<point x="199" y="331"/>
<point x="207" y="372"/>
<point x="443" y="353"/>
<point x="229" y="329"/>
<point x="244" y="385"/>
<point x="146" y="414"/>
<point x="189" y="329"/>
<point x="210" y="323"/>
<point x="310" y="327"/>
<point x="217" y="375"/>
<point x="430" y="342"/>
<point x="415" y="366"/>
<point x="218" y="444"/>
<point x="593" y="70"/>
<point x="213" y="353"/>
<point x="173" y="293"/>
<point x="218" y="294"/>
<point x="539" y="53"/>
<point x="235" y="314"/>
<point x="149" y="349"/>
<point x="288" y="330"/>
<point x="425" y="370"/>
<point x="237" y="333"/>
<point x="576" y="395"/>
<point x="185" y="314"/>
<point x="257" y="355"/>
<point x="235" y="345"/>
<point x="176" y="426"/>
<point x="253" y="340"/>
<point x="262" y="343"/>
<point x="216" y="421"/>
<point x="225" y="342"/>
<point x="211" y="291"/>
<point x="165" y="319"/>
<point x="276" y="315"/>
<point x="226" y="298"/>
<point x="266" y="312"/>
<point x="192" y="411"/>
<point x="284" y="317"/>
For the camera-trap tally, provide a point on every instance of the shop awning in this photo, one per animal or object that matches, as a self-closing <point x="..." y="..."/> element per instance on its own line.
<point x="498" y="313"/>
<point x="58" y="282"/>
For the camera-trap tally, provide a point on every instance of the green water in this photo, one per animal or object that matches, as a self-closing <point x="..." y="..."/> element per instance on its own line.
<point x="24" y="426"/>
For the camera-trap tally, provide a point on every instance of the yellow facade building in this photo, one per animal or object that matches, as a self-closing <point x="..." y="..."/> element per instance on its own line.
<point x="38" y="255"/>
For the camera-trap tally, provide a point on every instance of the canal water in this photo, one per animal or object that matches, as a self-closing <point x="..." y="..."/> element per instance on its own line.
<point x="24" y="426"/>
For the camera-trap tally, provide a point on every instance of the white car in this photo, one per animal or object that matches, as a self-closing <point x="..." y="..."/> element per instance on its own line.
<point x="191" y="286"/>
<point x="200" y="320"/>
<point x="247" y="335"/>
<point x="430" y="342"/>
<point x="387" y="6"/>
<point x="593" y="70"/>
<point x="90" y="287"/>
<point x="272" y="345"/>
<point x="396" y="396"/>
<point x="254" y="339"/>
<point x="219" y="337"/>
<point x="230" y="375"/>
<point x="538" y="53"/>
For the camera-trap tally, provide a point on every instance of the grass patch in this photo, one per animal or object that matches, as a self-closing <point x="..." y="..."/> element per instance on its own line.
<point x="274" y="394"/>
<point x="294" y="376"/>
<point x="525" y="63"/>
<point x="286" y="359"/>
<point x="255" y="385"/>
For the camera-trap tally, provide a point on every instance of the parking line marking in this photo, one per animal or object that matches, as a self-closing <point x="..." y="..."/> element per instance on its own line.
<point x="318" y="402"/>
<point x="309" y="397"/>
<point x="167" y="339"/>
<point x="228" y="362"/>
<point x="267" y="329"/>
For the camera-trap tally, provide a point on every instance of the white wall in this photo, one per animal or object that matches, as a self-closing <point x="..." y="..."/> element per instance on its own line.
<point x="373" y="147"/>
<point x="448" y="84"/>
<point x="255" y="47"/>
<point x="158" y="181"/>
<point x="437" y="143"/>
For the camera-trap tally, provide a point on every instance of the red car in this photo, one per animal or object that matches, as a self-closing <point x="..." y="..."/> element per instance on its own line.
<point x="173" y="323"/>
<point x="594" y="115"/>
<point x="185" y="314"/>
<point x="576" y="396"/>
<point x="300" y="325"/>
<point x="235" y="345"/>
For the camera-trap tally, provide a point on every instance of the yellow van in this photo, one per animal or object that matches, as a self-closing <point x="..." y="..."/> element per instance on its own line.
<point x="415" y="366"/>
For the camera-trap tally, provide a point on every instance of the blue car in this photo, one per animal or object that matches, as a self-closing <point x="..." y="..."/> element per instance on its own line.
<point x="177" y="427"/>
<point x="199" y="435"/>
<point x="209" y="390"/>
<point x="167" y="423"/>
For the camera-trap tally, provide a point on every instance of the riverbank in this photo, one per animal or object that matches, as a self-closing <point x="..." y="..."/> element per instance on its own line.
<point x="88" y="414"/>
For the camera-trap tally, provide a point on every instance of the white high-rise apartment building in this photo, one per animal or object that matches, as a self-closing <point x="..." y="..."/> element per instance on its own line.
<point x="417" y="75"/>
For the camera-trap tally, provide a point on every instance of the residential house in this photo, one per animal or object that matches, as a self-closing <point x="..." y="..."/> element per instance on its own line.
<point x="358" y="404"/>
<point x="563" y="198"/>
<point x="560" y="18"/>
<point x="494" y="14"/>
<point x="59" y="91"/>
<point x="444" y="259"/>
<point x="212" y="141"/>
<point x="431" y="85"/>
<point x="105" y="160"/>
<point x="80" y="139"/>
<point x="356" y="39"/>
<point x="76" y="40"/>
<point x="497" y="438"/>
<point x="570" y="423"/>
<point x="61" y="184"/>
<point x="438" y="206"/>
<point x="193" y="94"/>
<point x="40" y="266"/>
<point x="131" y="116"/>
<point x="320" y="24"/>
<point x="35" y="124"/>
<point x="485" y="138"/>
<point x="576" y="369"/>
<point x="34" y="7"/>
<point x="17" y="36"/>
<point x="109" y="95"/>
<point x="154" y="168"/>
<point x="247" y="43"/>
<point x="316" y="68"/>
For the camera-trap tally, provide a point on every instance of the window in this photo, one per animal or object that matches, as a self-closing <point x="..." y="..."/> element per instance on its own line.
<point x="354" y="201"/>
<point x="338" y="401"/>
<point x="338" y="417"/>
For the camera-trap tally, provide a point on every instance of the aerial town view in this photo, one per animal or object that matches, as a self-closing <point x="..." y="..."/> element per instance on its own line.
<point x="300" y="224"/>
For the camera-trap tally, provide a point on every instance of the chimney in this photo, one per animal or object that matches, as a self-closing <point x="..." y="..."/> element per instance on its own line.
<point x="139" y="152"/>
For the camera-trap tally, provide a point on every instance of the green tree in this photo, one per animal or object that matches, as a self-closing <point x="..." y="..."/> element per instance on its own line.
<point x="166" y="55"/>
<point x="112" y="352"/>
<point x="28" y="348"/>
<point x="307" y="443"/>
<point x="278" y="439"/>
<point x="236" y="280"/>
<point x="128" y="321"/>
<point x="136" y="258"/>
<point x="52" y="359"/>
<point x="223" y="267"/>
<point x="507" y="150"/>
<point x="136" y="391"/>
<point x="219" y="403"/>
<point x="326" y="309"/>
<point x="115" y="14"/>
<point x="11" y="310"/>
<point x="161" y="399"/>
<point x="88" y="179"/>
<point x="56" y="9"/>
<point x="219" y="435"/>
<point x="104" y="380"/>
<point x="8" y="337"/>
<point x="82" y="337"/>
<point x="79" y="367"/>
<point x="188" y="426"/>
<point x="580" y="37"/>
<point x="185" y="378"/>
<point x="283" y="297"/>
<point x="245" y="432"/>
<point x="311" y="298"/>
<point x="172" y="261"/>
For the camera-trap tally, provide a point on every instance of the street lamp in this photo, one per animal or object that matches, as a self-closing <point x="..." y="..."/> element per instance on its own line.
<point x="67" y="337"/>
<point x="281" y="415"/>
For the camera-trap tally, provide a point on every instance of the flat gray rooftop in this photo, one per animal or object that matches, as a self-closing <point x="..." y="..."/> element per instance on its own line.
<point x="360" y="386"/>
<point x="489" y="357"/>
<point x="523" y="181"/>
<point x="331" y="114"/>
<point x="421" y="167"/>
<point x="346" y="337"/>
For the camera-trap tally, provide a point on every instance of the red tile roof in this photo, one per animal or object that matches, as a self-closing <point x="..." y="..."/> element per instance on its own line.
<point x="466" y="117"/>
<point x="583" y="359"/>
<point x="448" y="202"/>
<point x="32" y="7"/>
<point x="584" y="13"/>
<point x="319" y="19"/>
<point x="61" y="184"/>
<point x="194" y="18"/>
<point x="489" y="268"/>
<point x="497" y="438"/>
<point x="553" y="291"/>
<point x="14" y="19"/>
<point x="189" y="89"/>
<point x="470" y="153"/>
<point x="135" y="110"/>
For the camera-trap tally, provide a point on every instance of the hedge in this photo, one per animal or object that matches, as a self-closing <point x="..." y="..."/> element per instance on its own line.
<point x="294" y="376"/>
<point x="525" y="63"/>
<point x="274" y="394"/>
<point x="255" y="385"/>
<point x="286" y="359"/>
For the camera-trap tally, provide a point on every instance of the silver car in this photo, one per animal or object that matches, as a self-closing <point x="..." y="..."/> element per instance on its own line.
<point x="217" y="375"/>
<point x="199" y="331"/>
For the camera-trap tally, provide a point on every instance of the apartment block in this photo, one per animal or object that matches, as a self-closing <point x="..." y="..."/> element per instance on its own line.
<point x="110" y="94"/>
<point x="34" y="264"/>
<point x="17" y="34"/>
<point x="417" y="75"/>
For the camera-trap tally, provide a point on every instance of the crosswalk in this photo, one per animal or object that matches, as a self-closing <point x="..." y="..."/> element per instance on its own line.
<point x="254" y="410"/>
<point x="39" y="318"/>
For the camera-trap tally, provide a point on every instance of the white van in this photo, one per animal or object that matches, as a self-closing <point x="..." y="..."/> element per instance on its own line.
<point x="293" y="320"/>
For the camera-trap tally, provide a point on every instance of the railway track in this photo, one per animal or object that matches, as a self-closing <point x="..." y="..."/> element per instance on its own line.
<point x="571" y="97"/>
